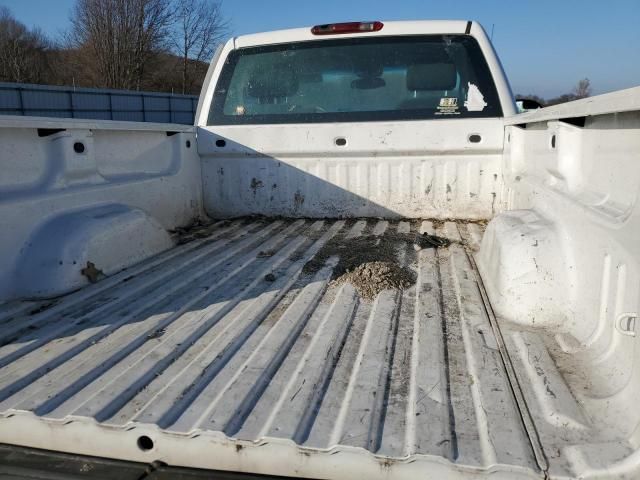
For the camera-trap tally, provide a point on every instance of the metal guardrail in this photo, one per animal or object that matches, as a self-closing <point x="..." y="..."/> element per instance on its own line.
<point x="96" y="103"/>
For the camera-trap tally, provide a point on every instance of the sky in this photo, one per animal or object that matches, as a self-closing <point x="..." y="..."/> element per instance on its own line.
<point x="546" y="46"/>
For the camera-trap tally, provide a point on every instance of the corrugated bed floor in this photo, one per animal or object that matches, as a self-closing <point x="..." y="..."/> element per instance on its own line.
<point x="230" y="332"/>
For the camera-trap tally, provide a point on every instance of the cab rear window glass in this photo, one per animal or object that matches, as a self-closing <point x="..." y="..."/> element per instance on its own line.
<point x="356" y="79"/>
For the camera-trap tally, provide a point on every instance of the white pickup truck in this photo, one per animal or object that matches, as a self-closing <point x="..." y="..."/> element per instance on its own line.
<point x="359" y="264"/>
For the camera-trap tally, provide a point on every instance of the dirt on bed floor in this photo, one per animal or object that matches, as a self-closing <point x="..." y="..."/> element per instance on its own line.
<point x="371" y="278"/>
<point x="353" y="252"/>
<point x="373" y="263"/>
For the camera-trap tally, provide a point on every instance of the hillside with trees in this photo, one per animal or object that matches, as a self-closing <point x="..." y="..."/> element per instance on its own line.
<point x="153" y="45"/>
<point x="581" y="90"/>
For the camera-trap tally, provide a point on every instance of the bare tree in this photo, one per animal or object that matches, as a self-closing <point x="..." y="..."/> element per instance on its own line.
<point x="583" y="89"/>
<point x="163" y="45"/>
<point x="120" y="36"/>
<point x="200" y="26"/>
<point x="22" y="51"/>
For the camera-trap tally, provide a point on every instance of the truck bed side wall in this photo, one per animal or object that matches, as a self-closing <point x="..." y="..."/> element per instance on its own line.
<point x="73" y="192"/>
<point x="563" y="261"/>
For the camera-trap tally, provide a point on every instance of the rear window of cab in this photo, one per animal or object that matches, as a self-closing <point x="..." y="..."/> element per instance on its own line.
<point x="356" y="79"/>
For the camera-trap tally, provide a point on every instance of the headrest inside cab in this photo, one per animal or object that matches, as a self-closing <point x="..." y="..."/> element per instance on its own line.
<point x="432" y="76"/>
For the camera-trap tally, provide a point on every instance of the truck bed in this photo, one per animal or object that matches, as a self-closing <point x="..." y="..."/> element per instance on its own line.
<point x="242" y="336"/>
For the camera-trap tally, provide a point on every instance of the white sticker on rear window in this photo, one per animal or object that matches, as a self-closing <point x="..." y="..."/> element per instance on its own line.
<point x="448" y="106"/>
<point x="475" y="100"/>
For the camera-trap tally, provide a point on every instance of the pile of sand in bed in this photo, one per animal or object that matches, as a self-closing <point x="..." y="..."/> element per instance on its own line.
<point x="371" y="278"/>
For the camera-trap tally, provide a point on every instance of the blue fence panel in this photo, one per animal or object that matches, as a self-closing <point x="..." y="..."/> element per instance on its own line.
<point x="156" y="104"/>
<point x="181" y="104"/>
<point x="127" y="103"/>
<point x="43" y="100"/>
<point x="90" y="101"/>
<point x="95" y="103"/>
<point x="50" y="113"/>
<point x="94" y="114"/>
<point x="182" y="117"/>
<point x="160" y="117"/>
<point x="129" y="116"/>
<point x="10" y="100"/>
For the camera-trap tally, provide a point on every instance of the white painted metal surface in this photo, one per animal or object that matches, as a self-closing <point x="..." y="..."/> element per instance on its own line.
<point x="223" y="369"/>
<point x="84" y="245"/>
<point x="9" y="121"/>
<point x="417" y="169"/>
<point x="109" y="204"/>
<point x="627" y="100"/>
<point x="563" y="275"/>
